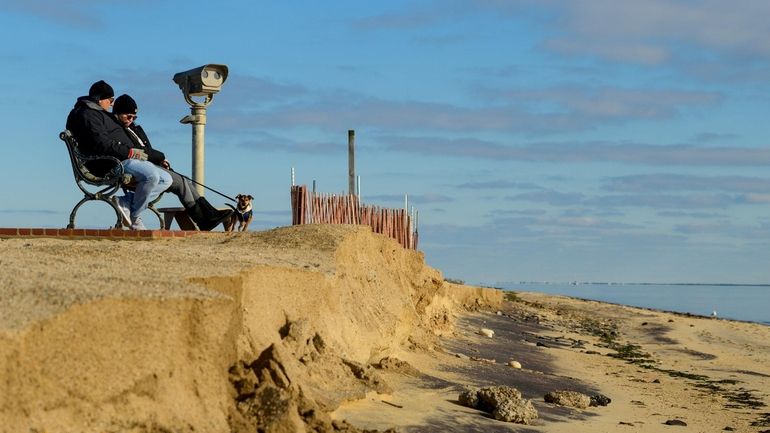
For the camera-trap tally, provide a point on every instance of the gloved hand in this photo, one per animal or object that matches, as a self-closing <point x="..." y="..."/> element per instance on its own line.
<point x="136" y="153"/>
<point x="155" y="156"/>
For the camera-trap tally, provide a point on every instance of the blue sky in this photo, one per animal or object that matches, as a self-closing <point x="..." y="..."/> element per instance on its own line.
<point x="591" y="140"/>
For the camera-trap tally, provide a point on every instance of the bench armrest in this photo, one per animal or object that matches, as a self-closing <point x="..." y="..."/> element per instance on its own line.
<point x="116" y="172"/>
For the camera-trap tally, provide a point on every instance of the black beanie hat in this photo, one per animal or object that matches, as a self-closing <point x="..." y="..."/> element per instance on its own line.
<point x="124" y="104"/>
<point x="101" y="90"/>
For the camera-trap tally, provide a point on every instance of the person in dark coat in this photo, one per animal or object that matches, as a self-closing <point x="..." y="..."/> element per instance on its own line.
<point x="206" y="217"/>
<point x="99" y="133"/>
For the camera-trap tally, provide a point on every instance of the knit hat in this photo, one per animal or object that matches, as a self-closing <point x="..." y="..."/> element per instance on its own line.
<point x="124" y="104"/>
<point x="101" y="90"/>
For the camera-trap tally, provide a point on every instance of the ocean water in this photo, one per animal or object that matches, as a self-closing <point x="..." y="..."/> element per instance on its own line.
<point x="747" y="303"/>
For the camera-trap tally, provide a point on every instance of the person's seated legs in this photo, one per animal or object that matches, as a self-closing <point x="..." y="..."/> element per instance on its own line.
<point x="123" y="203"/>
<point x="151" y="182"/>
<point x="205" y="216"/>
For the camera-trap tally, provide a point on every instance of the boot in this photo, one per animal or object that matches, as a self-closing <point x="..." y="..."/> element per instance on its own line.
<point x="206" y="216"/>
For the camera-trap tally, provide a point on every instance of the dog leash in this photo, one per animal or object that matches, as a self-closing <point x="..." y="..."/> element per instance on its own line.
<point x="198" y="183"/>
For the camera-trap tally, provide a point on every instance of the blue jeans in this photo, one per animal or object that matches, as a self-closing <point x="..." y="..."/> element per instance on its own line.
<point x="151" y="182"/>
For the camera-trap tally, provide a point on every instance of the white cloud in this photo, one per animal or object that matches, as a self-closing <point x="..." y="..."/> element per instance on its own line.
<point x="758" y="198"/>
<point x="653" y="31"/>
<point x="628" y="153"/>
<point x="678" y="182"/>
<point x="82" y="14"/>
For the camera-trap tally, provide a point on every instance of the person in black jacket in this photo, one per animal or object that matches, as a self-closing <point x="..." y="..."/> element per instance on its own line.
<point x="206" y="217"/>
<point x="98" y="132"/>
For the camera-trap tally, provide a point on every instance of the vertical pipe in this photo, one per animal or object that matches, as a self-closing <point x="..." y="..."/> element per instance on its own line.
<point x="351" y="161"/>
<point x="198" y="145"/>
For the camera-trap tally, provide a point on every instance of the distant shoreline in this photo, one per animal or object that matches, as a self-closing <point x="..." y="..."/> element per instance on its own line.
<point x="741" y="302"/>
<point x="610" y="283"/>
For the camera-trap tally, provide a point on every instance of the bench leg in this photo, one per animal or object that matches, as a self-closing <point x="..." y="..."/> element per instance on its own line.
<point x="160" y="218"/>
<point x="164" y="225"/>
<point x="118" y="224"/>
<point x="71" y="225"/>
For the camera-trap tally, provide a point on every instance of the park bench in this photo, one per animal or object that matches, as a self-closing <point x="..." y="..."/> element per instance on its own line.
<point x="110" y="183"/>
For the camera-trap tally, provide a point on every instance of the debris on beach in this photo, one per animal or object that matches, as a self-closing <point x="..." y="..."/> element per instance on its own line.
<point x="676" y="422"/>
<point x="487" y="332"/>
<point x="503" y="402"/>
<point x="514" y="364"/>
<point x="600" y="400"/>
<point x="568" y="398"/>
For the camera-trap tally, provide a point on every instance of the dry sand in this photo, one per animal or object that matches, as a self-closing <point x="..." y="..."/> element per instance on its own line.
<point x="280" y="331"/>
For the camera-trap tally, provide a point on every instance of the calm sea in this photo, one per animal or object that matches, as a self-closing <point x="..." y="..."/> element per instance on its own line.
<point x="748" y="303"/>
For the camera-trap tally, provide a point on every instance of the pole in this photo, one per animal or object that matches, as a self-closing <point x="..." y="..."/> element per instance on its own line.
<point x="351" y="161"/>
<point x="198" y="138"/>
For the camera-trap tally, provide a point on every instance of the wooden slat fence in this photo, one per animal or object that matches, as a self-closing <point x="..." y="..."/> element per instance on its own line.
<point x="318" y="208"/>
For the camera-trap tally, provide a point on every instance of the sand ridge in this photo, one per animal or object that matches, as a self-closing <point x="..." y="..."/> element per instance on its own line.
<point x="215" y="333"/>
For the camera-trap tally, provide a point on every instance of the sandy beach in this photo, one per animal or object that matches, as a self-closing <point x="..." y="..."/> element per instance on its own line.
<point x="332" y="328"/>
<point x="710" y="374"/>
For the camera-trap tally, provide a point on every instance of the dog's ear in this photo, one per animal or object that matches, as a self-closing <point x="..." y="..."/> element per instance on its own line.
<point x="251" y="198"/>
<point x="237" y="196"/>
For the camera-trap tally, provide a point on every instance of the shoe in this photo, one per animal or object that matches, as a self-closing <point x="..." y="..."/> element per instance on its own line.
<point x="138" y="224"/>
<point x="206" y="216"/>
<point x="125" y="211"/>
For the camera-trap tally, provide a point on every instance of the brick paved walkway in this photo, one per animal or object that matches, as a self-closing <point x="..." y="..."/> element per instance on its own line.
<point x="94" y="233"/>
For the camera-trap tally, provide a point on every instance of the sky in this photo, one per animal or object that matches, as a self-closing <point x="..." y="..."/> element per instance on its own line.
<point x="538" y="140"/>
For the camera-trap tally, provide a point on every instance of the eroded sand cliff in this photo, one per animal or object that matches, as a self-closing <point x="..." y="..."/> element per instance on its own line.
<point x="213" y="333"/>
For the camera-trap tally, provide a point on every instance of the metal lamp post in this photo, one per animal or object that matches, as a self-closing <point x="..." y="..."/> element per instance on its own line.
<point x="203" y="81"/>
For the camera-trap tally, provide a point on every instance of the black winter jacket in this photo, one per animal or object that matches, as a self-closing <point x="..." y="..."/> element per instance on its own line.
<point x="145" y="144"/>
<point x="98" y="132"/>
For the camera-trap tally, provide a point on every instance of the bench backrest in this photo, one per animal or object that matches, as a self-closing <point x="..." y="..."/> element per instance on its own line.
<point x="78" y="160"/>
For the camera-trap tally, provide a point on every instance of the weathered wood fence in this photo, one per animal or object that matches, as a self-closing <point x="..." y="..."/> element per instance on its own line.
<point x="308" y="207"/>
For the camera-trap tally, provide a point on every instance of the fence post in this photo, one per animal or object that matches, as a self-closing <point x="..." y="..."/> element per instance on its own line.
<point x="351" y="162"/>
